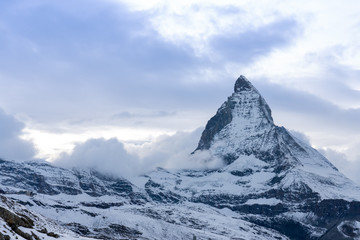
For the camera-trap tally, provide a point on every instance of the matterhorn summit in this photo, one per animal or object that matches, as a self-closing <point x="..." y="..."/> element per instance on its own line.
<point x="243" y="125"/>
<point x="243" y="128"/>
<point x="244" y="114"/>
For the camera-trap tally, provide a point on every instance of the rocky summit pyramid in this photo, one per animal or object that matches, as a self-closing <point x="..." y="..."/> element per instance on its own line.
<point x="271" y="186"/>
<point x="243" y="125"/>
<point x="243" y="115"/>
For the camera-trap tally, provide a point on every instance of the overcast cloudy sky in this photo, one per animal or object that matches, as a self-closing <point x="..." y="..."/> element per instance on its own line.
<point x="129" y="71"/>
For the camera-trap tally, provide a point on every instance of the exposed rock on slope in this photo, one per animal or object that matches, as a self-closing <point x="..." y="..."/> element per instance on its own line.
<point x="16" y="222"/>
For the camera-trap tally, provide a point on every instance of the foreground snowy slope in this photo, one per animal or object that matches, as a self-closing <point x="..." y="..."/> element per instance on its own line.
<point x="271" y="186"/>
<point x="99" y="206"/>
<point x="16" y="222"/>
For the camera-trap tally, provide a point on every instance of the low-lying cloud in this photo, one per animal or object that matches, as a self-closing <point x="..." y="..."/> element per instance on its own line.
<point x="114" y="157"/>
<point x="104" y="155"/>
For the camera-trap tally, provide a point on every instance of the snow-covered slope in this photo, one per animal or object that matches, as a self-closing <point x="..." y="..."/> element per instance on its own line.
<point x="272" y="186"/>
<point x="16" y="222"/>
<point x="94" y="205"/>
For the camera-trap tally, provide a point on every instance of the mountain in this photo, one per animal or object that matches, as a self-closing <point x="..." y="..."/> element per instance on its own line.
<point x="271" y="186"/>
<point x="243" y="128"/>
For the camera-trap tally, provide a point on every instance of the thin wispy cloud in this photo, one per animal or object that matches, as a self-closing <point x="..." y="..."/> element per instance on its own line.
<point x="126" y="114"/>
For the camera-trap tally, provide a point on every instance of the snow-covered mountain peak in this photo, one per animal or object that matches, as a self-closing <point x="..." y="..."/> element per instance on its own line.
<point x="245" y="113"/>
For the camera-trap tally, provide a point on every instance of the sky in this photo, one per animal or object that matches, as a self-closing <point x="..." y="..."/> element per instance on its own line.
<point x="138" y="80"/>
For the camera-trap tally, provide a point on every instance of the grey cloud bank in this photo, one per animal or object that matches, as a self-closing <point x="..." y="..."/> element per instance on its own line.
<point x="12" y="147"/>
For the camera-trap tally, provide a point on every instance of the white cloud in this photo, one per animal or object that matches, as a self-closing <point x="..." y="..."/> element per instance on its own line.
<point x="324" y="51"/>
<point x="108" y="156"/>
<point x="112" y="156"/>
<point x="175" y="152"/>
<point x="195" y="22"/>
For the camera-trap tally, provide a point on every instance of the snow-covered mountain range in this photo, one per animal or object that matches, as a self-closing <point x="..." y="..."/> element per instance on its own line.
<point x="272" y="186"/>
